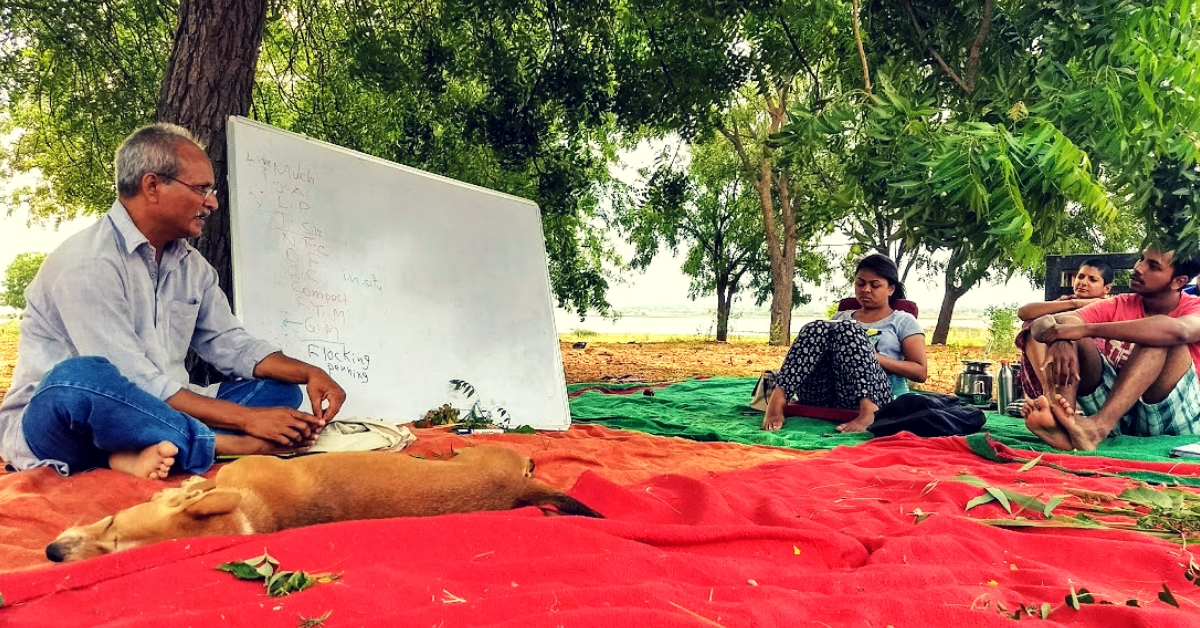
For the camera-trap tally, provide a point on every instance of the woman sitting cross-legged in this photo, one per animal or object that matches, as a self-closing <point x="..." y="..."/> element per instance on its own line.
<point x="861" y="359"/>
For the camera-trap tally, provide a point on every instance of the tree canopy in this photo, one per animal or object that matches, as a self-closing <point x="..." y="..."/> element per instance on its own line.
<point x="18" y="276"/>
<point x="988" y="132"/>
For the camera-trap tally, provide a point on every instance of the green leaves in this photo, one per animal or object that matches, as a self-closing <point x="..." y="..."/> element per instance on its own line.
<point x="18" y="276"/>
<point x="1166" y="596"/>
<point x="1074" y="599"/>
<point x="276" y="581"/>
<point x="1006" y="498"/>
<point x="1031" y="464"/>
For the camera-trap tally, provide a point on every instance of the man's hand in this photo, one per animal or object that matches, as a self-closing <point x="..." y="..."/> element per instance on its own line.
<point x="284" y="426"/>
<point x="1062" y="364"/>
<point x="322" y="388"/>
<point x="324" y="394"/>
<point x="1047" y="334"/>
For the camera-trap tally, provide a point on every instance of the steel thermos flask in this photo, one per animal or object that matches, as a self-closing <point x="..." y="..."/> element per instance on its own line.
<point x="1005" y="387"/>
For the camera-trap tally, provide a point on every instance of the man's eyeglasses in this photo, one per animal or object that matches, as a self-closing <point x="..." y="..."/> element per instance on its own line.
<point x="204" y="192"/>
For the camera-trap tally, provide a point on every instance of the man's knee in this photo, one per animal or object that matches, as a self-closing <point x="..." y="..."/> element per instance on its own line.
<point x="1177" y="360"/>
<point x="78" y="370"/>
<point x="294" y="395"/>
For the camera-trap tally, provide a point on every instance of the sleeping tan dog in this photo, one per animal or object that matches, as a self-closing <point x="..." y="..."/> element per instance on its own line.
<point x="258" y="494"/>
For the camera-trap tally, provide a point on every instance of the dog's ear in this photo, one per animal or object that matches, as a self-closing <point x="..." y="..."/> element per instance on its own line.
<point x="213" y="503"/>
<point x="197" y="483"/>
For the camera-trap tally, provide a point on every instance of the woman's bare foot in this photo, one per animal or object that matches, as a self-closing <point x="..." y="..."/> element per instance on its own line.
<point x="860" y="423"/>
<point x="1040" y="421"/>
<point x="246" y="445"/>
<point x="772" y="422"/>
<point x="153" y="462"/>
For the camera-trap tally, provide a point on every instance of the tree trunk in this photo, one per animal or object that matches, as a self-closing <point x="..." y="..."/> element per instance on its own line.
<point x="951" y="296"/>
<point x="782" y="255"/>
<point x="209" y="78"/>
<point x="724" y="301"/>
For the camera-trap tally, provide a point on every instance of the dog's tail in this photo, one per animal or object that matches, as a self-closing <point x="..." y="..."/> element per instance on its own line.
<point x="562" y="503"/>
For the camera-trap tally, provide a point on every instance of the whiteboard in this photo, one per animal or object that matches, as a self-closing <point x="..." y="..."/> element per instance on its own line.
<point x="393" y="280"/>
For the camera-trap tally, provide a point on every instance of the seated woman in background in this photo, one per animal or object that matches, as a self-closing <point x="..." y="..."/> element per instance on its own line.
<point x="861" y="359"/>
<point x="1093" y="282"/>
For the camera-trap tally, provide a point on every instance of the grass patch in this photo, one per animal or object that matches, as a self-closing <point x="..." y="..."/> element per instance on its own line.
<point x="10" y="329"/>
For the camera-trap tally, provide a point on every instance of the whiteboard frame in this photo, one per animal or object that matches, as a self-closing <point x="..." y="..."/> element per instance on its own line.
<point x="558" y="412"/>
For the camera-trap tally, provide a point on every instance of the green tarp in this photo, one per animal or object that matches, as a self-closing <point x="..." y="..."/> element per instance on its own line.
<point x="716" y="410"/>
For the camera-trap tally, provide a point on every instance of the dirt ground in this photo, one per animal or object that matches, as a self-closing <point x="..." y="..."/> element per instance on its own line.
<point x="673" y="361"/>
<point x="661" y="361"/>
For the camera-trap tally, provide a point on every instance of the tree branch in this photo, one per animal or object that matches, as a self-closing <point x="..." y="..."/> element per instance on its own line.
<point x="800" y="57"/>
<point x="973" y="61"/>
<point x="862" y="54"/>
<point x="924" y="40"/>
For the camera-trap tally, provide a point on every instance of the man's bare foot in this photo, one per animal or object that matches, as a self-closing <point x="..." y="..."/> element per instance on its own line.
<point x="1081" y="430"/>
<point x="153" y="462"/>
<point x="1040" y="421"/>
<point x="771" y="422"/>
<point x="246" y="445"/>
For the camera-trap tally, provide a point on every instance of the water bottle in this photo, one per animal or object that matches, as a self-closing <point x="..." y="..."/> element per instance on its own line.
<point x="1005" y="387"/>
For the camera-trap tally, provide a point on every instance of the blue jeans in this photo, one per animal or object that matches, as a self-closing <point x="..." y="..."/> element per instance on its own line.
<point x="84" y="409"/>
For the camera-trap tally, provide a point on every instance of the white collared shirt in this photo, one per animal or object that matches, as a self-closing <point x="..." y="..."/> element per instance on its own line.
<point x="101" y="293"/>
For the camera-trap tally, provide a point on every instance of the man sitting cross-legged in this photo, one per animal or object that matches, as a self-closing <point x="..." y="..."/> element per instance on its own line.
<point x="1144" y="382"/>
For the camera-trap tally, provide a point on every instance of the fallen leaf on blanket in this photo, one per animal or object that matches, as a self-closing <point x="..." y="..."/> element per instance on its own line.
<point x="1166" y="596"/>
<point x="1192" y="573"/>
<point x="919" y="514"/>
<point x="1045" y="610"/>
<point x="1000" y="497"/>
<point x="1074" y="599"/>
<point x="1029" y="465"/>
<point x="969" y="479"/>
<point x="1048" y="511"/>
<point x="986" y="498"/>
<point x="313" y="622"/>
<point x="256" y="568"/>
<point x="450" y="598"/>
<point x="285" y="582"/>
<point x="795" y="550"/>
<point x="277" y="582"/>
<point x="1146" y="496"/>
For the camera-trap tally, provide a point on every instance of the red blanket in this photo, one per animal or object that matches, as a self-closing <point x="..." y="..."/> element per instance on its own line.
<point x="832" y="540"/>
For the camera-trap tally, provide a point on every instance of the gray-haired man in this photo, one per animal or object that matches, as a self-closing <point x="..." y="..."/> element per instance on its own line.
<point x="100" y="378"/>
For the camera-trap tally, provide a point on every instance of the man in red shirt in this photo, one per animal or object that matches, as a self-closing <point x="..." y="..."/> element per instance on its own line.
<point x="1144" y="381"/>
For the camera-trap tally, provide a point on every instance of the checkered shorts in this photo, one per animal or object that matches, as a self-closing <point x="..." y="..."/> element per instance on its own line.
<point x="1177" y="415"/>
